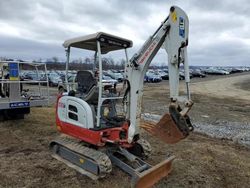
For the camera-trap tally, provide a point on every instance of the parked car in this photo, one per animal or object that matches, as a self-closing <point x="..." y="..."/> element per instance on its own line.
<point x="153" y="77"/>
<point x="181" y="75"/>
<point x="106" y="81"/>
<point x="33" y="76"/>
<point x="164" y="75"/>
<point x="115" y="75"/>
<point x="198" y="73"/>
<point x="223" y="72"/>
<point x="216" y="71"/>
<point x="72" y="85"/>
<point x="54" y="79"/>
<point x="43" y="78"/>
<point x="236" y="70"/>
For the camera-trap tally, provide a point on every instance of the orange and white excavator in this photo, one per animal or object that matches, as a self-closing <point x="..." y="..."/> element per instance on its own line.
<point x="102" y="127"/>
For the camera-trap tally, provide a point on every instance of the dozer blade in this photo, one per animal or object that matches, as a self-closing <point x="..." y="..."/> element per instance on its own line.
<point x="151" y="176"/>
<point x="143" y="174"/>
<point x="171" y="128"/>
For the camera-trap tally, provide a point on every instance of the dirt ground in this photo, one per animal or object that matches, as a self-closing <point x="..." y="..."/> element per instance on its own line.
<point x="200" y="161"/>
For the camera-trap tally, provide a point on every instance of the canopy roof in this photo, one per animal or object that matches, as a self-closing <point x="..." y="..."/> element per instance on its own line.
<point x="108" y="42"/>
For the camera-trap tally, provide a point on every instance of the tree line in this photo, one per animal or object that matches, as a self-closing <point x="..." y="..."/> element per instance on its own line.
<point x="81" y="64"/>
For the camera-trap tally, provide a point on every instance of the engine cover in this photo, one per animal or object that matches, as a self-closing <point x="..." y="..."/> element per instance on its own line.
<point x="75" y="111"/>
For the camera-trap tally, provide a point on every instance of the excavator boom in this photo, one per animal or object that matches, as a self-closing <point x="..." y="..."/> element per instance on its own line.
<point x="172" y="35"/>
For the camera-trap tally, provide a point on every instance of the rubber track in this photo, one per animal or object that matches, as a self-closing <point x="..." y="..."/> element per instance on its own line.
<point x="103" y="161"/>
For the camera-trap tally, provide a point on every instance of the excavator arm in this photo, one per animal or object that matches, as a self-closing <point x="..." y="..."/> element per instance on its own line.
<point x="172" y="35"/>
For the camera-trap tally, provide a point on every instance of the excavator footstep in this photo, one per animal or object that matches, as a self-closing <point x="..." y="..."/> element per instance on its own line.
<point x="166" y="129"/>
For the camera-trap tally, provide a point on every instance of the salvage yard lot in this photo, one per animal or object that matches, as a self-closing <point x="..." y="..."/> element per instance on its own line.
<point x="200" y="161"/>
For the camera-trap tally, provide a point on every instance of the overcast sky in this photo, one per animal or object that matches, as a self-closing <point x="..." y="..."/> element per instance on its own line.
<point x="33" y="29"/>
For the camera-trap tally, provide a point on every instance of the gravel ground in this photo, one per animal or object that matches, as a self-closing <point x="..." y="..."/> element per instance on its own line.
<point x="237" y="132"/>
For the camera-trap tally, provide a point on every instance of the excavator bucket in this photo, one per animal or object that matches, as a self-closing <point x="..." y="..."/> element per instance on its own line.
<point x="151" y="176"/>
<point x="165" y="129"/>
<point x="171" y="128"/>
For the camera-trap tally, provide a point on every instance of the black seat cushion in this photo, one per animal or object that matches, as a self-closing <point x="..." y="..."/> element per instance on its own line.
<point x="85" y="81"/>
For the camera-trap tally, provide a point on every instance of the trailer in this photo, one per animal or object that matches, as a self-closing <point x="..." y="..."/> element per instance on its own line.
<point x="17" y="93"/>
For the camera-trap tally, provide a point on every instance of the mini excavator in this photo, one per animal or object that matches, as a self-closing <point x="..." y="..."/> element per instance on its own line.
<point x="98" y="132"/>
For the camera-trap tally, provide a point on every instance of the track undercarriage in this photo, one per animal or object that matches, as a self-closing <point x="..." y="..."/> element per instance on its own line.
<point x="97" y="164"/>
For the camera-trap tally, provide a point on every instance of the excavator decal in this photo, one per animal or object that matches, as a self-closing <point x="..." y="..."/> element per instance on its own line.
<point x="173" y="16"/>
<point x="181" y="27"/>
<point x="148" y="52"/>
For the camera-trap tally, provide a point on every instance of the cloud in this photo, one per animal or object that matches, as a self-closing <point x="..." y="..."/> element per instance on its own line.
<point x="28" y="49"/>
<point x="33" y="29"/>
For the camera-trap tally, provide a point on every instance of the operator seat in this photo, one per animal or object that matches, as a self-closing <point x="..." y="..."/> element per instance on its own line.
<point x="87" y="86"/>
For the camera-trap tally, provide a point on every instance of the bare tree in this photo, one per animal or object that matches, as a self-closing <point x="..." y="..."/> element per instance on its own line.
<point x="87" y="60"/>
<point x="55" y="59"/>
